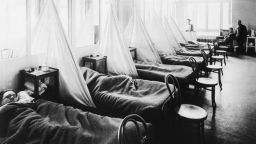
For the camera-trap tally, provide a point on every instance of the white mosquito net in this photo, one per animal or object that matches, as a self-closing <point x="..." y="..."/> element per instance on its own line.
<point x="138" y="37"/>
<point x="171" y="35"/>
<point x="114" y="46"/>
<point x="49" y="36"/>
<point x="180" y="37"/>
<point x="159" y="35"/>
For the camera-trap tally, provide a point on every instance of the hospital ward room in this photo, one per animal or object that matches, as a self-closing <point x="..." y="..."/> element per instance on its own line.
<point x="127" y="72"/>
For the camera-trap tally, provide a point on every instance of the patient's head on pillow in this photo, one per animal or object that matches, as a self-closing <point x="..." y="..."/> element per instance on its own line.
<point x="8" y="96"/>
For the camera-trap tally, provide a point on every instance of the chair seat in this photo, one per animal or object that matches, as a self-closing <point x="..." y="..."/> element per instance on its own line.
<point x="214" y="67"/>
<point x="207" y="82"/>
<point x="218" y="57"/>
<point x="223" y="47"/>
<point x="221" y="51"/>
<point x="192" y="112"/>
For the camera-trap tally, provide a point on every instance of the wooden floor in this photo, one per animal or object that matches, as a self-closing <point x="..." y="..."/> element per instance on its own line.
<point x="234" y="120"/>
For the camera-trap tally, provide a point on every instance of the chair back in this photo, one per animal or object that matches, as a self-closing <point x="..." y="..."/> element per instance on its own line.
<point x="134" y="118"/>
<point x="205" y="57"/>
<point x="176" y="93"/>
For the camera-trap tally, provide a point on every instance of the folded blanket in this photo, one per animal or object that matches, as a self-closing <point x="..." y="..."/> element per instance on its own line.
<point x="46" y="122"/>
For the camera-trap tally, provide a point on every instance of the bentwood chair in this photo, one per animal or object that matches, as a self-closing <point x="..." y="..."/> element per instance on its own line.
<point x="213" y="68"/>
<point x="187" y="112"/>
<point x="134" y="118"/>
<point x="207" y="83"/>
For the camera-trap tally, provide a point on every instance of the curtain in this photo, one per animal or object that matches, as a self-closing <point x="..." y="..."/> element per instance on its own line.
<point x="114" y="46"/>
<point x="138" y="37"/>
<point x="49" y="35"/>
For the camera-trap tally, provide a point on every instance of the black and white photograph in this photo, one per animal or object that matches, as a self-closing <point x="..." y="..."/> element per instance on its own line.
<point x="127" y="72"/>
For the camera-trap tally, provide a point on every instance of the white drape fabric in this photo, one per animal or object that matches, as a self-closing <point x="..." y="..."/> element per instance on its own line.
<point x="114" y="46"/>
<point x="171" y="35"/>
<point x="50" y="36"/>
<point x="138" y="37"/>
<point x="159" y="35"/>
<point x="180" y="37"/>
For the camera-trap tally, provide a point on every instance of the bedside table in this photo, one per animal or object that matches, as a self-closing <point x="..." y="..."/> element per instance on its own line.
<point x="250" y="43"/>
<point x="38" y="75"/>
<point x="97" y="63"/>
<point x="133" y="52"/>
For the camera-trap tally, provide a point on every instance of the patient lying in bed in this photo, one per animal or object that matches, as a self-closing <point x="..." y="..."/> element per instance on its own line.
<point x="9" y="96"/>
<point x="46" y="122"/>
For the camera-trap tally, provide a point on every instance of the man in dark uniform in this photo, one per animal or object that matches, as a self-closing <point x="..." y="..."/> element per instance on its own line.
<point x="241" y="34"/>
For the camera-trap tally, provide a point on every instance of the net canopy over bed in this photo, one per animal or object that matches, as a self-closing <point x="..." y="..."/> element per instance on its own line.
<point x="138" y="37"/>
<point x="171" y="35"/>
<point x="179" y="35"/>
<point x="159" y="35"/>
<point x="114" y="46"/>
<point x="49" y="36"/>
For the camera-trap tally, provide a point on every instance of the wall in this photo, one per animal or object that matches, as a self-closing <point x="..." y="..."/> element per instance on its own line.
<point x="244" y="10"/>
<point x="9" y="69"/>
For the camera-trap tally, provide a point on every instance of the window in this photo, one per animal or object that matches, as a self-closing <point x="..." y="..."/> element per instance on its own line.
<point x="213" y="16"/>
<point x="62" y="8"/>
<point x="13" y="28"/>
<point x="208" y="16"/>
<point x="202" y="16"/>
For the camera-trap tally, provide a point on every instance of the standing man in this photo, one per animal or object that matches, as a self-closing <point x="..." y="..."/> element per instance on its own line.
<point x="241" y="34"/>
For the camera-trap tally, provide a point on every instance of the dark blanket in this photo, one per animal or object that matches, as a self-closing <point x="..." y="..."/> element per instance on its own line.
<point x="45" y="122"/>
<point x="180" y="60"/>
<point x="158" y="72"/>
<point x="121" y="95"/>
<point x="187" y="52"/>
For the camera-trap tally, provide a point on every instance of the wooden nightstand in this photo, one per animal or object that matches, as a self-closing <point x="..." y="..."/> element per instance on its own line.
<point x="97" y="63"/>
<point x="251" y="43"/>
<point x="38" y="75"/>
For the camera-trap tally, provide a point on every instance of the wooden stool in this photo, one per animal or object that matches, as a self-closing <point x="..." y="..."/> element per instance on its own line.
<point x="218" y="69"/>
<point x="186" y="112"/>
<point x="218" y="58"/>
<point x="193" y="114"/>
<point x="222" y="52"/>
<point x="206" y="83"/>
<point x="225" y="48"/>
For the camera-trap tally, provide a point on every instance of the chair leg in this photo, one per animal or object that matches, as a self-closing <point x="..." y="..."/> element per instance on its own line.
<point x="219" y="77"/>
<point x="213" y="97"/>
<point x="199" y="135"/>
<point x="202" y="132"/>
<point x="221" y="61"/>
<point x="225" y="61"/>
